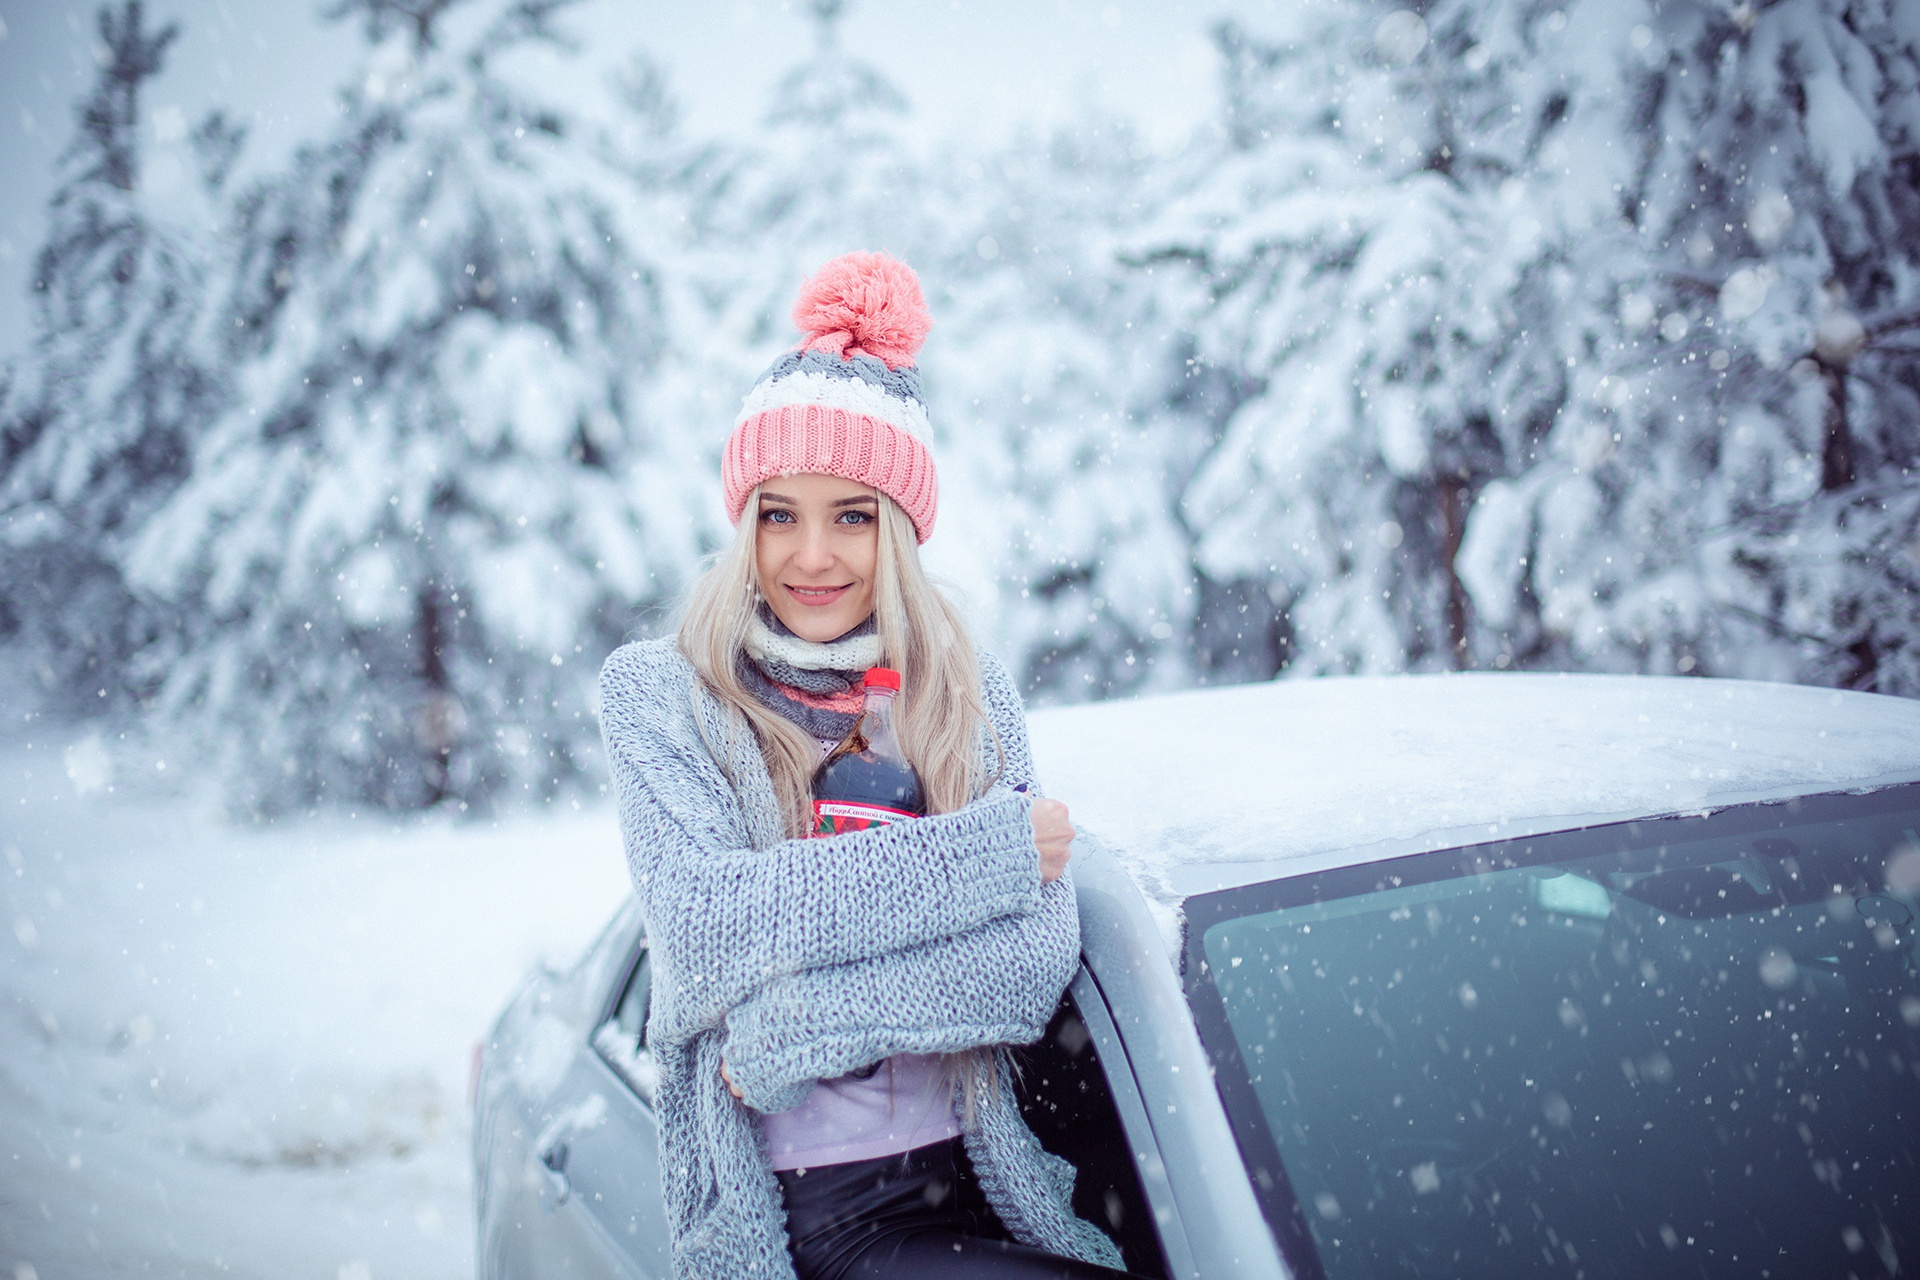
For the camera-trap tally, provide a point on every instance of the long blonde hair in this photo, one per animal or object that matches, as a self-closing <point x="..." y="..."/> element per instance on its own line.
<point x="940" y="718"/>
<point x="921" y="635"/>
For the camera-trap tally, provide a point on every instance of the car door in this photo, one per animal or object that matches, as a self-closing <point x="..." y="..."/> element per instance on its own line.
<point x="597" y="1153"/>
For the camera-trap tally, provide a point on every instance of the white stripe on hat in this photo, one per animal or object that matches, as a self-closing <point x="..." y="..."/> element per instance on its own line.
<point x="854" y="395"/>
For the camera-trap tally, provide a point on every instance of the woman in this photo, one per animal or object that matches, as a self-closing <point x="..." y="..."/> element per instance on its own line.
<point x="827" y="1012"/>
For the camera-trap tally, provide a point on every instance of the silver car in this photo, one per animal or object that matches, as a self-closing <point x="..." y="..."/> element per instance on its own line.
<point x="1459" y="975"/>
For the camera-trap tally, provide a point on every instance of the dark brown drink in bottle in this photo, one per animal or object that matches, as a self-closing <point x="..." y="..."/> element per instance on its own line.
<point x="866" y="780"/>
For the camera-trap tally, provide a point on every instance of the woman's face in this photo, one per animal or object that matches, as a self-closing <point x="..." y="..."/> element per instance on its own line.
<point x="816" y="545"/>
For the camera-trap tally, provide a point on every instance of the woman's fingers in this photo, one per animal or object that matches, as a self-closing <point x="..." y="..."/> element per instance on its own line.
<point x="1050" y="818"/>
<point x="1052" y="838"/>
<point x="726" y="1075"/>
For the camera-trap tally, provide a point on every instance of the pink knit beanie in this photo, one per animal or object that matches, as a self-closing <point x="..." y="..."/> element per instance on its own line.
<point x="846" y="401"/>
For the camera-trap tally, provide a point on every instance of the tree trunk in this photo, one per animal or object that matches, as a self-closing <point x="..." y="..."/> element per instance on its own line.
<point x="437" y="726"/>
<point x="1866" y="665"/>
<point x="1454" y="497"/>
<point x="1836" y="455"/>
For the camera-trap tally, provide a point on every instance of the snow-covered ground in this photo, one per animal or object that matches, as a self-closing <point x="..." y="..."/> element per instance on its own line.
<point x="243" y="1051"/>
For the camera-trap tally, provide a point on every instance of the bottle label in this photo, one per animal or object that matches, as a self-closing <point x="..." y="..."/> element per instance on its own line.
<point x="833" y="817"/>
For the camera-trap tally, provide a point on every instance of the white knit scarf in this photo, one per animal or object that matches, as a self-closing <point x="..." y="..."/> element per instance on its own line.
<point x="770" y="644"/>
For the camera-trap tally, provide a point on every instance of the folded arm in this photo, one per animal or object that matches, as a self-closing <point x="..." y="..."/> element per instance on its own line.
<point x="998" y="983"/>
<point x="727" y="917"/>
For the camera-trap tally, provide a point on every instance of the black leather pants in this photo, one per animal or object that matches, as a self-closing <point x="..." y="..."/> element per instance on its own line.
<point x="920" y="1214"/>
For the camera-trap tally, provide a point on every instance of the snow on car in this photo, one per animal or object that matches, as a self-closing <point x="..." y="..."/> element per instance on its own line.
<point x="1408" y="976"/>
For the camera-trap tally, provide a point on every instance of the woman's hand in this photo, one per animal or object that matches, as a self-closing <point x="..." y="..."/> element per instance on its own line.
<point x="727" y="1075"/>
<point x="1053" y="837"/>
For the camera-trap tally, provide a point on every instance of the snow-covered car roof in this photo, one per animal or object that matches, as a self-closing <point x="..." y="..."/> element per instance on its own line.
<point x="1221" y="787"/>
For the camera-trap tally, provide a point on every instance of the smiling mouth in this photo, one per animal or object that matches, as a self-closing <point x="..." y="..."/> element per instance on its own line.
<point x="818" y="595"/>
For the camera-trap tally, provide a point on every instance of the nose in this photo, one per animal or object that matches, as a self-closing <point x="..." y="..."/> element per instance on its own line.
<point x="814" y="556"/>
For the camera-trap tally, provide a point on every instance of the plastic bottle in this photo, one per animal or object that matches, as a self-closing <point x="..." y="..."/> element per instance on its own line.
<point x="866" y="780"/>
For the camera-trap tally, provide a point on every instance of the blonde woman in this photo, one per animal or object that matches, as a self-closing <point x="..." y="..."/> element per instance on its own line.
<point x="827" y="1013"/>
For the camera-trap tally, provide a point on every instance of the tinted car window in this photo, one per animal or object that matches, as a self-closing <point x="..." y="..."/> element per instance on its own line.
<point x="1684" y="1047"/>
<point x="1067" y="1103"/>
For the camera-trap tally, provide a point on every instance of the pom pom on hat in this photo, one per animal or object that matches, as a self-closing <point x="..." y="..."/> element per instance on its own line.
<point x="864" y="303"/>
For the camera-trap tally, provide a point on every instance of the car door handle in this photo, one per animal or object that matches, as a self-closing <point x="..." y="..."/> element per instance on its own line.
<point x="553" y="1168"/>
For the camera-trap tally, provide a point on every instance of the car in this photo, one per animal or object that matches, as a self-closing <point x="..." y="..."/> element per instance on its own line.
<point x="1473" y="974"/>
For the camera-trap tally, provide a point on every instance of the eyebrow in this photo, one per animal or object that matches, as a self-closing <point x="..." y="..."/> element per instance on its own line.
<point x="864" y="499"/>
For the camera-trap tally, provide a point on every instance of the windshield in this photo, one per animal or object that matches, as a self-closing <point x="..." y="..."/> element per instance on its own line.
<point x="1685" y="1047"/>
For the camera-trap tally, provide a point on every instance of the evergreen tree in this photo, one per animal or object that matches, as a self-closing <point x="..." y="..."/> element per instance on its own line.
<point x="1748" y="503"/>
<point x="830" y="171"/>
<point x="96" y="430"/>
<point x="1379" y="239"/>
<point x="1576" y="336"/>
<point x="440" y="494"/>
<point x="1037" y="372"/>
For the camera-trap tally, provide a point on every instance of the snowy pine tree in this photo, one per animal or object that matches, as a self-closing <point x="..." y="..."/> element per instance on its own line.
<point x="1575" y="336"/>
<point x="1737" y="494"/>
<point x="1379" y="280"/>
<point x="96" y="429"/>
<point x="440" y="496"/>
<point x="1038" y="371"/>
<point x="829" y="172"/>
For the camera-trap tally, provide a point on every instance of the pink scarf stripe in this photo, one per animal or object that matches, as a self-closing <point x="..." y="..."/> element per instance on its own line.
<point x="852" y="702"/>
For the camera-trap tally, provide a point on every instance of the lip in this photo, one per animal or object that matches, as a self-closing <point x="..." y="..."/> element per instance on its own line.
<point x="816" y="597"/>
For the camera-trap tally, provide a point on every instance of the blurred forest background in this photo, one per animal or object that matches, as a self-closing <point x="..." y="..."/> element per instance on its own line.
<point x="1493" y="334"/>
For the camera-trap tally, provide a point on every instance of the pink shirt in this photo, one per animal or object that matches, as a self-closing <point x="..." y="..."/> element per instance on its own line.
<point x="904" y="1104"/>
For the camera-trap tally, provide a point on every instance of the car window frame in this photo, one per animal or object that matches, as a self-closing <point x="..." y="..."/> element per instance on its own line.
<point x="1129" y="1104"/>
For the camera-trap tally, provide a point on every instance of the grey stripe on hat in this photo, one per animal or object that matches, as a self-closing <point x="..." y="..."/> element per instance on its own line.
<point x="903" y="382"/>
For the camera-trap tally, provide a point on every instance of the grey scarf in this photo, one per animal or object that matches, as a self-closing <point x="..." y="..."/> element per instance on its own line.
<point x="794" y="677"/>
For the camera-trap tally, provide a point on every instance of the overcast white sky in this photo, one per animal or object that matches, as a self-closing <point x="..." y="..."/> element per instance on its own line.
<point x="973" y="68"/>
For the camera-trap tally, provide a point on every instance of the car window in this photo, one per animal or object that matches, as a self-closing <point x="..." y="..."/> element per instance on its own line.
<point x="605" y="962"/>
<point x="622" y="1038"/>
<point x="1686" y="1047"/>
<point x="1067" y="1103"/>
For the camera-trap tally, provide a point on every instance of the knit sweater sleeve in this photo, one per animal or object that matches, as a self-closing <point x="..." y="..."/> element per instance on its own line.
<point x="1008" y="716"/>
<point x="995" y="984"/>
<point x="728" y="917"/>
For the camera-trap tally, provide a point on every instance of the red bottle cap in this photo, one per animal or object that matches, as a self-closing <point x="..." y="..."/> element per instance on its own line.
<point x="883" y="678"/>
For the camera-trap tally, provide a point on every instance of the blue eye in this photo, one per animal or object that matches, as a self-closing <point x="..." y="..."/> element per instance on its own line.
<point x="777" y="515"/>
<point x="856" y="517"/>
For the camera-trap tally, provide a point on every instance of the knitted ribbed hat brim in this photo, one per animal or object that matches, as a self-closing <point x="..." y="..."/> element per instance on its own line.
<point x="800" y="439"/>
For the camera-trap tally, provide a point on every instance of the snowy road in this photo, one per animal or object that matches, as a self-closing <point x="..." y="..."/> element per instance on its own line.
<point x="243" y="1051"/>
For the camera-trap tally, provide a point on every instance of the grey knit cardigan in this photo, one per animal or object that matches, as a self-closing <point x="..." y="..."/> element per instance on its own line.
<point x="801" y="960"/>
